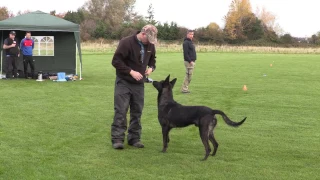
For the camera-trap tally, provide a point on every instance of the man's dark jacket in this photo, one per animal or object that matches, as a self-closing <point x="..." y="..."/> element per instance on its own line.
<point x="128" y="57"/>
<point x="14" y="51"/>
<point x="189" y="51"/>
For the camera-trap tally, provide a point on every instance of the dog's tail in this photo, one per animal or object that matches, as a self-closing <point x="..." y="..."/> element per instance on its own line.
<point x="227" y="120"/>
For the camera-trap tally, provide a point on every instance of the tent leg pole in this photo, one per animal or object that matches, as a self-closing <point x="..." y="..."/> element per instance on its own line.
<point x="81" y="71"/>
<point x="76" y="59"/>
<point x="1" y="52"/>
<point x="1" y="65"/>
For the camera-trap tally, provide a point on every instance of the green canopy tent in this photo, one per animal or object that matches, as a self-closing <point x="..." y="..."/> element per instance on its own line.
<point x="57" y="41"/>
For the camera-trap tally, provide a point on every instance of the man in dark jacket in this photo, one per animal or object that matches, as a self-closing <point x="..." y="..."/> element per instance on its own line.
<point x="11" y="47"/>
<point x="190" y="56"/>
<point x="133" y="60"/>
<point x="26" y="46"/>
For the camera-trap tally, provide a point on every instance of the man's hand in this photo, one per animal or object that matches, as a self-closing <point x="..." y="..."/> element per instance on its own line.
<point x="12" y="45"/>
<point x="148" y="71"/>
<point x="136" y="75"/>
<point x="192" y="63"/>
<point x="19" y="55"/>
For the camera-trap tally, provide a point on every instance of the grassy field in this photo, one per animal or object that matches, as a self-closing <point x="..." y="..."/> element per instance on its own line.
<point x="169" y="47"/>
<point x="51" y="130"/>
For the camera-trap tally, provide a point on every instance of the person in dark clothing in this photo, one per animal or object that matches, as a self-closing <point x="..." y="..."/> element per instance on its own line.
<point x="190" y="57"/>
<point x="134" y="59"/>
<point x="26" y="46"/>
<point x="11" y="47"/>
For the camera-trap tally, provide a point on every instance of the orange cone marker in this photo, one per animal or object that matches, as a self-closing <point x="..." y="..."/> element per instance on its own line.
<point x="245" y="88"/>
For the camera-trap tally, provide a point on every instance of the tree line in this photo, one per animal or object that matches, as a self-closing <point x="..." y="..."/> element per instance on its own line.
<point x="114" y="19"/>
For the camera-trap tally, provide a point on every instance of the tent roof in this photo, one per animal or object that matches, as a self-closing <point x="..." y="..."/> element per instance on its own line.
<point x="38" y="21"/>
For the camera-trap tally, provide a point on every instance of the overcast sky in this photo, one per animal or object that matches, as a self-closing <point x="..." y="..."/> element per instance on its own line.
<point x="298" y="17"/>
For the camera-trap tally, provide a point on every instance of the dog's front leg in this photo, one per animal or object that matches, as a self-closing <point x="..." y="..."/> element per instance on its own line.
<point x="165" y="134"/>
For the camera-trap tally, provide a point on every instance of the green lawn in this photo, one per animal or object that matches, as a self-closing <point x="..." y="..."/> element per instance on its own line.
<point x="51" y="130"/>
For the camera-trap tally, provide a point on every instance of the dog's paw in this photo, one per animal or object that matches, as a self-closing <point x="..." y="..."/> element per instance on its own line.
<point x="204" y="159"/>
<point x="163" y="151"/>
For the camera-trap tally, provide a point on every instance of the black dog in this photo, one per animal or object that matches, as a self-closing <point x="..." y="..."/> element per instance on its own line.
<point x="174" y="115"/>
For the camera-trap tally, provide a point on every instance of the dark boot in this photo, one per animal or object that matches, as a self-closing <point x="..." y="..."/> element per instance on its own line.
<point x="117" y="145"/>
<point x="137" y="145"/>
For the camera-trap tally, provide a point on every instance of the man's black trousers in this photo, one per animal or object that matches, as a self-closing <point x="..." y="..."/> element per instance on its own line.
<point x="11" y="66"/>
<point x="28" y="60"/>
<point x="127" y="95"/>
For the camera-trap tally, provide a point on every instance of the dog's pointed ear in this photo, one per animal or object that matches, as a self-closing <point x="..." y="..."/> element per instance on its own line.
<point x="167" y="79"/>
<point x="173" y="82"/>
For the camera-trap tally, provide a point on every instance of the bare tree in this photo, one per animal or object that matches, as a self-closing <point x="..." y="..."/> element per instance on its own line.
<point x="23" y="12"/>
<point x="5" y="13"/>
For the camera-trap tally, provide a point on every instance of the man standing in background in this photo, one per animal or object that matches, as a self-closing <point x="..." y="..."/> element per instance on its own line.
<point x="12" y="51"/>
<point x="190" y="56"/>
<point x="27" y="45"/>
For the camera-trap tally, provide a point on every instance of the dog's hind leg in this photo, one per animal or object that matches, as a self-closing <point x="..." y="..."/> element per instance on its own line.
<point x="204" y="134"/>
<point x="211" y="136"/>
<point x="165" y="134"/>
<point x="214" y="142"/>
